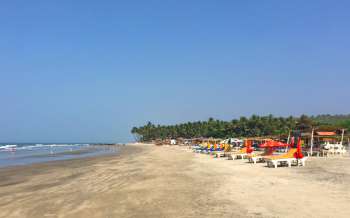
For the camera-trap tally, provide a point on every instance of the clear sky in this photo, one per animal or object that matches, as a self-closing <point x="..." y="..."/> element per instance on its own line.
<point x="91" y="70"/>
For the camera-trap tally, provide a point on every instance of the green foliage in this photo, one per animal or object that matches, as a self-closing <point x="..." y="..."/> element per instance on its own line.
<point x="332" y="122"/>
<point x="345" y="124"/>
<point x="331" y="119"/>
<point x="243" y="127"/>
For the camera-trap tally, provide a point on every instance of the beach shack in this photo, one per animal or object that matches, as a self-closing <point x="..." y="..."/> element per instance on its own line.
<point x="315" y="140"/>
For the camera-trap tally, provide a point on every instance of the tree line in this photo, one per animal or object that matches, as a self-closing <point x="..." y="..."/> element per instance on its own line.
<point x="253" y="126"/>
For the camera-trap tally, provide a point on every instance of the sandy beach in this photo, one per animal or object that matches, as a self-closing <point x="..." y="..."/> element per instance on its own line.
<point x="151" y="181"/>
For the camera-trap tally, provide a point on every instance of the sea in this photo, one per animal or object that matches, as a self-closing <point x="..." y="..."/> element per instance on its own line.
<point x="13" y="154"/>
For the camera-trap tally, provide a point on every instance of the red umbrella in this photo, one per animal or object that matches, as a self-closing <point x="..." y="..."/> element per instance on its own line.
<point x="273" y="144"/>
<point x="270" y="145"/>
<point x="248" y="144"/>
<point x="299" y="154"/>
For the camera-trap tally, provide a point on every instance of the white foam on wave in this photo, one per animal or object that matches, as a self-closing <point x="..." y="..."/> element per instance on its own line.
<point x="8" y="146"/>
<point x="38" y="146"/>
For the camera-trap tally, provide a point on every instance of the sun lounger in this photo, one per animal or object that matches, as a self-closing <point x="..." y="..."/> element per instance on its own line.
<point x="287" y="158"/>
<point x="333" y="149"/>
<point x="254" y="158"/>
<point x="219" y="154"/>
<point x="236" y="154"/>
<point x="339" y="149"/>
<point x="241" y="155"/>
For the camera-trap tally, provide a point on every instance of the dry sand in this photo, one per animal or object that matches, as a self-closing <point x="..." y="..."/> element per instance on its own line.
<point x="150" y="181"/>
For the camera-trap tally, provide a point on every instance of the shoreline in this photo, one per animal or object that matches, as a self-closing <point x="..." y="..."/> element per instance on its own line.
<point x="159" y="181"/>
<point x="94" y="150"/>
<point x="71" y="161"/>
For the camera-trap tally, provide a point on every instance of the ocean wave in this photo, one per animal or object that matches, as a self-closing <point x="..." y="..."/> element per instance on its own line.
<point x="8" y="147"/>
<point x="38" y="146"/>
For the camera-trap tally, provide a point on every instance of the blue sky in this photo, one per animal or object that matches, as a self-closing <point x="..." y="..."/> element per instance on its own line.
<point x="90" y="70"/>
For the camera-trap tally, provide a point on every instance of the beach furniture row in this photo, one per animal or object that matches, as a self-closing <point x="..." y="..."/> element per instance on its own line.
<point x="271" y="152"/>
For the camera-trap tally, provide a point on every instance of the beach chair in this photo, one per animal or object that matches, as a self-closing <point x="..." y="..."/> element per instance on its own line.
<point x="212" y="149"/>
<point x="333" y="149"/>
<point x="339" y="149"/>
<point x="219" y="154"/>
<point x="242" y="153"/>
<point x="201" y="148"/>
<point x="287" y="158"/>
<point x="259" y="157"/>
<point x="222" y="151"/>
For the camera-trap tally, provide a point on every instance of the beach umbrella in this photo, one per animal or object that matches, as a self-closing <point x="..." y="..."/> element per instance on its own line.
<point x="248" y="145"/>
<point x="208" y="146"/>
<point x="299" y="153"/>
<point x="227" y="147"/>
<point x="296" y="143"/>
<point x="271" y="144"/>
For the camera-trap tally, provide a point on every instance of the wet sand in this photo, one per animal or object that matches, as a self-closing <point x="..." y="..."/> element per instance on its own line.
<point x="151" y="181"/>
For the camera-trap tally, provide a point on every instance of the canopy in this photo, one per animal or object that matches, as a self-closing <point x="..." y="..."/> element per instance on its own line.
<point x="325" y="133"/>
